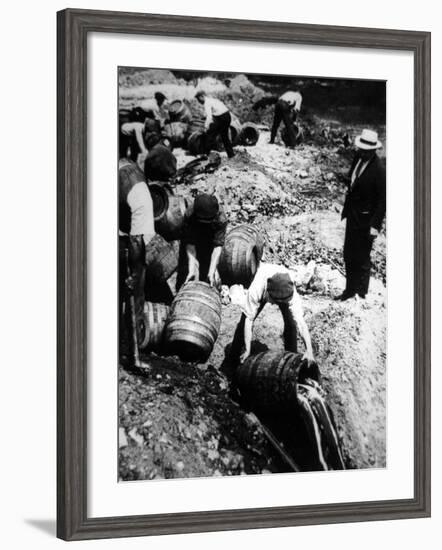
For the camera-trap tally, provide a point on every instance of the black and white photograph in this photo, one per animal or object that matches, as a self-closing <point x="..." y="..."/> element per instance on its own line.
<point x="252" y="274"/>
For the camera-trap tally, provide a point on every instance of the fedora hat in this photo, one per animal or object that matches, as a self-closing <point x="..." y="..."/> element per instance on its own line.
<point x="368" y="140"/>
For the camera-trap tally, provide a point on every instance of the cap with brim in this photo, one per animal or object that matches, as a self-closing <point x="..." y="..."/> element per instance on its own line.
<point x="280" y="287"/>
<point x="205" y="208"/>
<point x="368" y="140"/>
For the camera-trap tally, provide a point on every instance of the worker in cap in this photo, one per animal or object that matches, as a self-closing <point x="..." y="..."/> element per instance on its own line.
<point x="218" y="120"/>
<point x="203" y="238"/>
<point x="272" y="284"/>
<point x="364" y="212"/>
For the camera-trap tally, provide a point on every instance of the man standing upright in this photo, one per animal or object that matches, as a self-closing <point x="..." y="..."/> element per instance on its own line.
<point x="136" y="229"/>
<point x="286" y="109"/>
<point x="218" y="121"/>
<point x="364" y="210"/>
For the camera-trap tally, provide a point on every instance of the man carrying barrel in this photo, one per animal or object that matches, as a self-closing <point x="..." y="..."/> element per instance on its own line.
<point x="203" y="238"/>
<point x="272" y="284"/>
<point x="153" y="106"/>
<point x="286" y="109"/>
<point x="218" y="120"/>
<point x="136" y="229"/>
<point x="131" y="140"/>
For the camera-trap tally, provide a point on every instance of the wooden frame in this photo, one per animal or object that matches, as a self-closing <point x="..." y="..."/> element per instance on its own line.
<point x="73" y="28"/>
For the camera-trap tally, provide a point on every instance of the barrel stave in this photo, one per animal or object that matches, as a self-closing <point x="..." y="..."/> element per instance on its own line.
<point x="241" y="255"/>
<point x="153" y="325"/>
<point x="194" y="321"/>
<point x="268" y="381"/>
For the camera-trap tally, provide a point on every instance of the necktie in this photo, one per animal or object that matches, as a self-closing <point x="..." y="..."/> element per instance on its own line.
<point x="357" y="172"/>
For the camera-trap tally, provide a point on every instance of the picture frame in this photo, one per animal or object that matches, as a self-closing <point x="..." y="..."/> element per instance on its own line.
<point x="73" y="28"/>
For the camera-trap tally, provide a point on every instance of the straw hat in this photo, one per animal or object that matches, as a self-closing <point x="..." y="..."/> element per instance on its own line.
<point x="368" y="140"/>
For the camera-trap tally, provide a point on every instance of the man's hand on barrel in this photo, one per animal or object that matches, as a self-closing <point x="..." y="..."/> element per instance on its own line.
<point x="213" y="278"/>
<point x="244" y="355"/>
<point x="308" y="357"/>
<point x="193" y="274"/>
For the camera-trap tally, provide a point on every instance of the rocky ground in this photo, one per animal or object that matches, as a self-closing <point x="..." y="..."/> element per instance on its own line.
<point x="185" y="420"/>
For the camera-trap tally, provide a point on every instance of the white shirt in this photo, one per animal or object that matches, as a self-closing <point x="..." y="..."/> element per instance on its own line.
<point x="294" y="99"/>
<point x="257" y="294"/>
<point x="141" y="208"/>
<point x="134" y="128"/>
<point x="151" y="105"/>
<point x="213" y="107"/>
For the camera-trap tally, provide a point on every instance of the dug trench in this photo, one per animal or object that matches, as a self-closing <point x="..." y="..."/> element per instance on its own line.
<point x="179" y="419"/>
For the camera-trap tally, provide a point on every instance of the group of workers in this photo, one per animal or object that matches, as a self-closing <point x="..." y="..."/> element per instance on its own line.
<point x="205" y="223"/>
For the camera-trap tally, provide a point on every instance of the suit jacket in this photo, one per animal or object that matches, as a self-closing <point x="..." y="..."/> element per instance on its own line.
<point x="366" y="199"/>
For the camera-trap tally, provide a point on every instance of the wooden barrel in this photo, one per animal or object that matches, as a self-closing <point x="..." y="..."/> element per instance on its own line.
<point x="196" y="125"/>
<point x="241" y="255"/>
<point x="161" y="258"/>
<point x="179" y="111"/>
<point x="249" y="134"/>
<point x="151" y="326"/>
<point x="268" y="381"/>
<point x="124" y="115"/>
<point x="160" y="194"/>
<point x="195" y="142"/>
<point x="194" y="322"/>
<point x="171" y="223"/>
<point x="152" y="126"/>
<point x="176" y="133"/>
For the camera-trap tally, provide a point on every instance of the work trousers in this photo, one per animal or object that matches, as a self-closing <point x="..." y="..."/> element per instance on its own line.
<point x="357" y="249"/>
<point x="132" y="272"/>
<point x="219" y="127"/>
<point x="284" y="112"/>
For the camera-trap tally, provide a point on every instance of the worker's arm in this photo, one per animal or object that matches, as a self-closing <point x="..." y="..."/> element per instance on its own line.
<point x="208" y="111"/>
<point x="298" y="314"/>
<point x="193" y="265"/>
<point x="248" y="331"/>
<point x="140" y="138"/>
<point x="214" y="261"/>
<point x="298" y="102"/>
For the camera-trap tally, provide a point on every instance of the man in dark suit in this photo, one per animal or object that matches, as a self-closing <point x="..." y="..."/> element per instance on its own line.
<point x="364" y="210"/>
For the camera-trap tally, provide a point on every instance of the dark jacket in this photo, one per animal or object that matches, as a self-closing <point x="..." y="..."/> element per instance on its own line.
<point x="204" y="235"/>
<point x="366" y="200"/>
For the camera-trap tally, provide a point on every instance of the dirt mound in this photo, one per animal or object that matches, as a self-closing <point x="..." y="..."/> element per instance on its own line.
<point x="350" y="341"/>
<point x="317" y="236"/>
<point x="240" y="97"/>
<point x="177" y="420"/>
